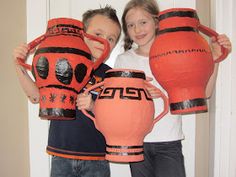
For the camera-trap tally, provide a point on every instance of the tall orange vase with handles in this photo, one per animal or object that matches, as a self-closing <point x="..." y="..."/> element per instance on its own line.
<point x="124" y="114"/>
<point x="181" y="59"/>
<point x="62" y="65"/>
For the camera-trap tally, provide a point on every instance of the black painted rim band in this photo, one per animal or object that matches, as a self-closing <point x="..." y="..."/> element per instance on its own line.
<point x="124" y="147"/>
<point x="56" y="112"/>
<point x="128" y="74"/>
<point x="125" y="153"/>
<point x="190" y="14"/>
<point x="188" y="104"/>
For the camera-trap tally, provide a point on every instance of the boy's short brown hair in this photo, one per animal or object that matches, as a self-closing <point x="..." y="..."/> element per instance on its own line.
<point x="107" y="11"/>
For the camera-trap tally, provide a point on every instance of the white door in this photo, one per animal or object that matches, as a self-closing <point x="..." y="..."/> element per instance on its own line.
<point x="38" y="12"/>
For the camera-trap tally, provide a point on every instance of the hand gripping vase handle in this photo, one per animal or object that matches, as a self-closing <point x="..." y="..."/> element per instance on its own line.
<point x="209" y="32"/>
<point x="163" y="96"/>
<point x="85" y="112"/>
<point x="31" y="45"/>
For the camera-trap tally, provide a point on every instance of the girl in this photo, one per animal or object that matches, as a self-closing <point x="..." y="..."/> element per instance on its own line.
<point x="162" y="147"/>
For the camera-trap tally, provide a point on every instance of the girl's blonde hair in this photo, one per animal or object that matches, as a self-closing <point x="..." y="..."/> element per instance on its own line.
<point x="148" y="5"/>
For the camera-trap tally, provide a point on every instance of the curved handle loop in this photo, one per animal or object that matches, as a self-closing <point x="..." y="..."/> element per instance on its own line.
<point x="105" y="52"/>
<point x="85" y="112"/>
<point x="31" y="45"/>
<point x="166" y="104"/>
<point x="209" y="32"/>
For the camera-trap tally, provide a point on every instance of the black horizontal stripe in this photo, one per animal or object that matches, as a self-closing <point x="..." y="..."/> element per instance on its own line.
<point x="125" y="153"/>
<point x="56" y="113"/>
<point x="130" y="74"/>
<point x="190" y="14"/>
<point x="177" y="29"/>
<point x="63" y="50"/>
<point x="65" y="152"/>
<point x="60" y="87"/>
<point x="188" y="104"/>
<point x="124" y="147"/>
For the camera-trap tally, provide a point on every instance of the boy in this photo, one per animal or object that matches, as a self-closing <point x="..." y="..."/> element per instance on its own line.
<point x="77" y="148"/>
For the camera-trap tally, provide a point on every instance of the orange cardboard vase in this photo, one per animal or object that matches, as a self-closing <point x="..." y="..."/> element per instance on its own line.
<point x="62" y="65"/>
<point x="181" y="59"/>
<point x="124" y="114"/>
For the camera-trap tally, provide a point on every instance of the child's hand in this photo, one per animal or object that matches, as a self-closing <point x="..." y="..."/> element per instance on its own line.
<point x="155" y="93"/>
<point x="21" y="52"/>
<point x="216" y="43"/>
<point x="85" y="101"/>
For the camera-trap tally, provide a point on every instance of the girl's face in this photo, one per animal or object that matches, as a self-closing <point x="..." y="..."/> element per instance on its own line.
<point x="101" y="26"/>
<point x="141" y="26"/>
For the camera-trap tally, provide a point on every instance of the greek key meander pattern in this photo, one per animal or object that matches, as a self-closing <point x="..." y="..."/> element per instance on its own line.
<point x="124" y="93"/>
<point x="65" y="29"/>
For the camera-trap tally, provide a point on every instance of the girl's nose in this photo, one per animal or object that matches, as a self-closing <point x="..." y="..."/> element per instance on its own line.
<point x="137" y="29"/>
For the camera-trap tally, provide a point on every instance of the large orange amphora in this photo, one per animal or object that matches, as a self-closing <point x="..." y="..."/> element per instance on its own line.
<point x="62" y="65"/>
<point x="124" y="114"/>
<point x="181" y="59"/>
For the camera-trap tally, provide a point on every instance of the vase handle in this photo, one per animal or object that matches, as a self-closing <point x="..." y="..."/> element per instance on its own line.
<point x="31" y="45"/>
<point x="105" y="51"/>
<point x="166" y="104"/>
<point x="211" y="33"/>
<point x="85" y="112"/>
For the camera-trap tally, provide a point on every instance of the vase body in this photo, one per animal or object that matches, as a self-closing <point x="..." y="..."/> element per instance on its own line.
<point x="124" y="114"/>
<point x="181" y="60"/>
<point x="62" y="65"/>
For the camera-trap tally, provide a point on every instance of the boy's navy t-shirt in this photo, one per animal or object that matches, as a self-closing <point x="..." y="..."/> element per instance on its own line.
<point x="78" y="139"/>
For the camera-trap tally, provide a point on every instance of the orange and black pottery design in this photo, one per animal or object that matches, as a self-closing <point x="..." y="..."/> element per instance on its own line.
<point x="181" y="59"/>
<point x="62" y="66"/>
<point x="124" y="114"/>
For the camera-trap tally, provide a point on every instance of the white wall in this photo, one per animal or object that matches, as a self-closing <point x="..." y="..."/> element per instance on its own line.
<point x="223" y="117"/>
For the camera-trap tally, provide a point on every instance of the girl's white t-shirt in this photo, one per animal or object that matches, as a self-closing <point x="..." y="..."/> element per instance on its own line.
<point x="169" y="128"/>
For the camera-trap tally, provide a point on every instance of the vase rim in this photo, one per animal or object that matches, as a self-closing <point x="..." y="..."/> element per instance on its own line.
<point x="176" y="9"/>
<point x="127" y="73"/>
<point x="66" y="21"/>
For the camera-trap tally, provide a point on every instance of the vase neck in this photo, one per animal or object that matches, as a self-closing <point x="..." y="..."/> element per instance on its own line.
<point x="178" y="20"/>
<point x="64" y="26"/>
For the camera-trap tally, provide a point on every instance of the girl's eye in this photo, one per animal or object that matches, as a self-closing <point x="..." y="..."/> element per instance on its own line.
<point x="130" y="25"/>
<point x="143" y="22"/>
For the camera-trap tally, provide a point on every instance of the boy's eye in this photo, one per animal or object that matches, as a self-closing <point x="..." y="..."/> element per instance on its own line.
<point x="143" y="22"/>
<point x="111" y="40"/>
<point x="98" y="34"/>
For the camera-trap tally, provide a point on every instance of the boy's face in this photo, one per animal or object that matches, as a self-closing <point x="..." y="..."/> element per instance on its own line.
<point x="103" y="27"/>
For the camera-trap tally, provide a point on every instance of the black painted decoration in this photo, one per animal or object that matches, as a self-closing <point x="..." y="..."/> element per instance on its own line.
<point x="80" y="72"/>
<point x="42" y="67"/>
<point x="64" y="71"/>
